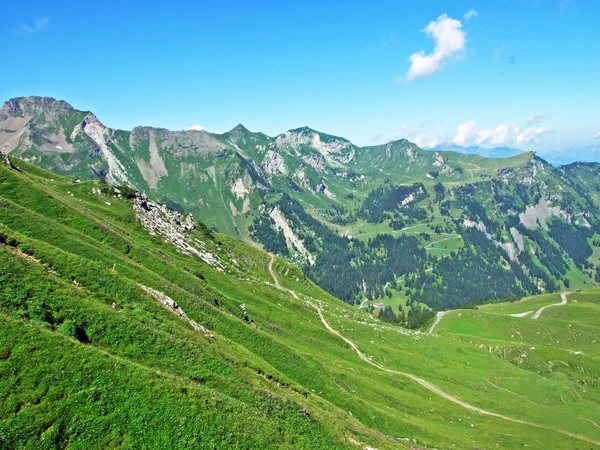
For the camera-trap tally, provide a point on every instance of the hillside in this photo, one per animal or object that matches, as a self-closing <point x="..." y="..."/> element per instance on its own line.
<point x="391" y="224"/>
<point x="128" y="325"/>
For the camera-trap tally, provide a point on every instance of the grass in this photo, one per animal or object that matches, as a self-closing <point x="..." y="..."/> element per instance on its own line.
<point x="525" y="304"/>
<point x="88" y="359"/>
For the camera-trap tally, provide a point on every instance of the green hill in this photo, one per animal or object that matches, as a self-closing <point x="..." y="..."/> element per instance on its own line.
<point x="128" y="325"/>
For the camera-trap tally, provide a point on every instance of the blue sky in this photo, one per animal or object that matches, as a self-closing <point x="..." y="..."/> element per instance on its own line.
<point x="523" y="73"/>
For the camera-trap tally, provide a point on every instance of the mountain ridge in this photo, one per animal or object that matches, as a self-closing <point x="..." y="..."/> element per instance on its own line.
<point x="307" y="196"/>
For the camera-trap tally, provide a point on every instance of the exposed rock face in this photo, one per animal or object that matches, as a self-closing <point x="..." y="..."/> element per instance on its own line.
<point x="317" y="162"/>
<point x="152" y="167"/>
<point x="517" y="238"/>
<point x="29" y="106"/>
<point x="322" y="188"/>
<point x="239" y="188"/>
<point x="301" y="178"/>
<point x="538" y="215"/>
<point x="28" y="120"/>
<point x="274" y="163"/>
<point x="190" y="143"/>
<point x="336" y="151"/>
<point x="173" y="228"/>
<point x="508" y="247"/>
<point x="306" y="136"/>
<point x="172" y="306"/>
<point x="440" y="163"/>
<point x="6" y="160"/>
<point x="246" y="317"/>
<point x="291" y="238"/>
<point x="102" y="136"/>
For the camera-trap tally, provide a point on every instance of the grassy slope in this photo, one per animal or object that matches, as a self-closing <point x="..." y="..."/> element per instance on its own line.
<point x="138" y="376"/>
<point x="559" y="349"/>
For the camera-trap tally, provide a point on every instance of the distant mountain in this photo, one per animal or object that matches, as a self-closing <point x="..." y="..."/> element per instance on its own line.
<point x="589" y="153"/>
<point x="383" y="222"/>
<point x="495" y="152"/>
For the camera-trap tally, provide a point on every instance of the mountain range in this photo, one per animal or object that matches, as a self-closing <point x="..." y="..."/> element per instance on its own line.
<point x="391" y="223"/>
<point x="588" y="153"/>
<point x="494" y="152"/>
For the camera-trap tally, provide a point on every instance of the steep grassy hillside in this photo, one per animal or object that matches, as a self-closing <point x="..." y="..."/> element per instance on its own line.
<point x="127" y="325"/>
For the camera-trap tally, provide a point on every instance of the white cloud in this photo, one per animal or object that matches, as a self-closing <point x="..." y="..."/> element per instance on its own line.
<point x="196" y="128"/>
<point x="531" y="134"/>
<point x="483" y="136"/>
<point x="502" y="135"/>
<point x="39" y="23"/>
<point x="469" y="133"/>
<point x="464" y="133"/>
<point x="470" y="14"/>
<point x="423" y="140"/>
<point x="449" y="44"/>
<point x="597" y="136"/>
<point x="427" y="141"/>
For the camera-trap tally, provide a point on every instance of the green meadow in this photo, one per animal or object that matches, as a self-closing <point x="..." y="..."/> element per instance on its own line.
<point x="88" y="358"/>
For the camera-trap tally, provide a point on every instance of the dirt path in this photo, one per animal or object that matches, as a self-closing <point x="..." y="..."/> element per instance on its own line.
<point x="272" y="272"/>
<point x="275" y="280"/>
<point x="424" y="383"/>
<point x="458" y="236"/>
<point x="432" y="388"/>
<point x="438" y="318"/>
<point x="539" y="312"/>
<point x="523" y="314"/>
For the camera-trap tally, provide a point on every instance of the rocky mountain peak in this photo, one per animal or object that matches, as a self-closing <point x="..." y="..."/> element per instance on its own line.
<point x="239" y="129"/>
<point x="29" y="106"/>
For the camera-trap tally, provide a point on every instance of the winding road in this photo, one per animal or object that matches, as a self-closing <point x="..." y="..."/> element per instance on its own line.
<point x="424" y="383"/>
<point x="539" y="312"/>
<point x="438" y="318"/>
<point x="429" y="246"/>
